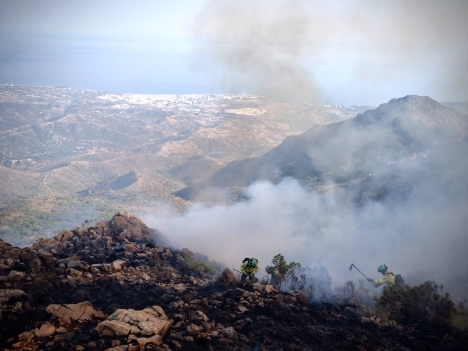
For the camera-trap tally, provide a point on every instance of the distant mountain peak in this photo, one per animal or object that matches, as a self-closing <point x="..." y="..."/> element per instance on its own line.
<point x="415" y="99"/>
<point x="427" y="111"/>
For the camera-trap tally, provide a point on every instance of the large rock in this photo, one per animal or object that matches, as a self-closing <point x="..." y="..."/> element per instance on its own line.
<point x="227" y="278"/>
<point x="150" y="325"/>
<point x="46" y="330"/>
<point x="80" y="311"/>
<point x="125" y="226"/>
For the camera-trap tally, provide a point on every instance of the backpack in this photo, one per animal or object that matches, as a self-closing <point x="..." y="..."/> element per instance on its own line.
<point x="249" y="261"/>
<point x="399" y="280"/>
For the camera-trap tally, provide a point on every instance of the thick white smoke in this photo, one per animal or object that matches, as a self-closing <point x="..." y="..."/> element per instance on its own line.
<point x="410" y="237"/>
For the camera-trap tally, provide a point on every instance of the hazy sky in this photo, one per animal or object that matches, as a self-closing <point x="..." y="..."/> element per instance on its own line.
<point x="340" y="52"/>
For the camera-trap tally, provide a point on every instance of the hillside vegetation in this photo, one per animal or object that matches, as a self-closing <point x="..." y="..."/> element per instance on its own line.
<point x="59" y="146"/>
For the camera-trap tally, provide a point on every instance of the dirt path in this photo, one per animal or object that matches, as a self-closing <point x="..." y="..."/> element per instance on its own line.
<point x="44" y="182"/>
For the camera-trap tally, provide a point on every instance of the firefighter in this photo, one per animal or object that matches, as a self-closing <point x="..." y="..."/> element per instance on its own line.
<point x="249" y="268"/>
<point x="387" y="280"/>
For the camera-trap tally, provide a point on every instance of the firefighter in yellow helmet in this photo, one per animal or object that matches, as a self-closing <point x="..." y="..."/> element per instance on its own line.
<point x="249" y="268"/>
<point x="387" y="280"/>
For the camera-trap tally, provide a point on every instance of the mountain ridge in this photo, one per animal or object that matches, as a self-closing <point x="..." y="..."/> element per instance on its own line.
<point x="395" y="130"/>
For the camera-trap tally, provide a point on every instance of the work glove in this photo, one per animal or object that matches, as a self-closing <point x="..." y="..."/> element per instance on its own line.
<point x="370" y="280"/>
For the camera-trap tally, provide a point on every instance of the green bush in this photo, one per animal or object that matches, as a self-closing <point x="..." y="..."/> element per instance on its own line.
<point x="460" y="321"/>
<point x="424" y="302"/>
<point x="189" y="258"/>
<point x="202" y="268"/>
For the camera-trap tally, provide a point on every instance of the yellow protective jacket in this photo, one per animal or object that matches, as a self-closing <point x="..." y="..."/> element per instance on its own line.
<point x="388" y="280"/>
<point x="245" y="268"/>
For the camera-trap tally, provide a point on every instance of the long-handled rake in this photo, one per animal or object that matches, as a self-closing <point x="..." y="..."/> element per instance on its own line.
<point x="351" y="267"/>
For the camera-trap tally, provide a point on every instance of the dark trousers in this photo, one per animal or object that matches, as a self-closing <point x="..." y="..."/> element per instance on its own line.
<point x="251" y="277"/>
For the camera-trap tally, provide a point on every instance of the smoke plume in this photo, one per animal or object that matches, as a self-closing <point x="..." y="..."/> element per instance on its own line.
<point x="277" y="48"/>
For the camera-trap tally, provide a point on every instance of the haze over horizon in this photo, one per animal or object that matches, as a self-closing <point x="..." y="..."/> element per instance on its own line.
<point x="341" y="52"/>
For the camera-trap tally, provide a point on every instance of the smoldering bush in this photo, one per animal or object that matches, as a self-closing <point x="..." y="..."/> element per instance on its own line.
<point x="314" y="282"/>
<point x="424" y="302"/>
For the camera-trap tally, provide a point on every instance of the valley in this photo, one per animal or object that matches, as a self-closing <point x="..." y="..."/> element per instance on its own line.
<point x="58" y="146"/>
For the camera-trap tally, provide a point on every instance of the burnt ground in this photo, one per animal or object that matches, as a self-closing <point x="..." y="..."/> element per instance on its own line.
<point x="204" y="314"/>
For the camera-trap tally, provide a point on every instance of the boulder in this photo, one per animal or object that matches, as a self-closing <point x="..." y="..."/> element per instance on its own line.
<point x="46" y="330"/>
<point x="81" y="311"/>
<point x="227" y="278"/>
<point x="124" y="226"/>
<point x="150" y="325"/>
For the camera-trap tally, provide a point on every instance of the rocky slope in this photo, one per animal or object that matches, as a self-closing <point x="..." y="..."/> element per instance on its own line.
<point x="115" y="286"/>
